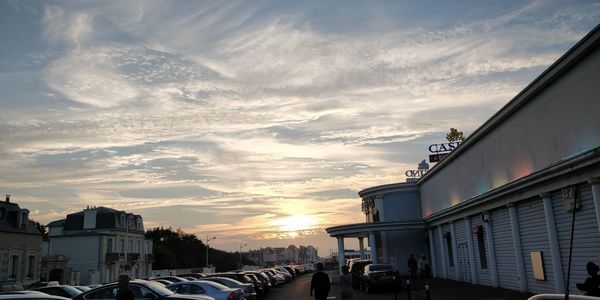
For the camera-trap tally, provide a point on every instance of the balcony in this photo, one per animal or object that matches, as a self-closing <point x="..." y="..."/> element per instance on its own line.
<point x="133" y="257"/>
<point x="112" y="257"/>
<point x="150" y="257"/>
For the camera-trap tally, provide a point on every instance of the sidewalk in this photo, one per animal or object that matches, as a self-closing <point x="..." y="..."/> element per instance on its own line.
<point x="440" y="289"/>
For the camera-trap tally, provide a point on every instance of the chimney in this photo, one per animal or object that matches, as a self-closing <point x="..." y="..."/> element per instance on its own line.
<point x="7" y="198"/>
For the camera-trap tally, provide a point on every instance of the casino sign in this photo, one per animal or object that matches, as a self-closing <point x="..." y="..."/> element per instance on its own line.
<point x="439" y="151"/>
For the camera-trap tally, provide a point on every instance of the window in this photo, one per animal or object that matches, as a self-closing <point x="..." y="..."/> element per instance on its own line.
<point x="137" y="249"/>
<point x="481" y="246"/>
<point x="141" y="292"/>
<point x="448" y="237"/>
<point x="130" y="246"/>
<point x="30" y="266"/>
<point x="109" y="247"/>
<point x="14" y="267"/>
<point x="103" y="293"/>
<point x="122" y="246"/>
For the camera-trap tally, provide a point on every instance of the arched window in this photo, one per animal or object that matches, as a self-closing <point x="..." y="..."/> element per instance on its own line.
<point x="109" y="246"/>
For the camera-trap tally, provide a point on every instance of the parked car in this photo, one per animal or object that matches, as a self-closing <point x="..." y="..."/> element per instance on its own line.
<point x="82" y="288"/>
<point x="290" y="270"/>
<point x="60" y="290"/>
<point x="164" y="282"/>
<point x="247" y="288"/>
<point x="194" y="275"/>
<point x="141" y="289"/>
<point x="241" y="277"/>
<point x="10" y="285"/>
<point x="40" y="284"/>
<point x="258" y="285"/>
<point x="209" y="288"/>
<point x="29" y="295"/>
<point x="171" y="278"/>
<point x="377" y="276"/>
<point x="356" y="269"/>
<point x="264" y="280"/>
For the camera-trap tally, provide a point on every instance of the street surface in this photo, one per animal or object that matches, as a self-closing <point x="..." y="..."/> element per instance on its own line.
<point x="440" y="290"/>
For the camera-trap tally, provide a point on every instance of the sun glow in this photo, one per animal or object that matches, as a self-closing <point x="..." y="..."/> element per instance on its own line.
<point x="295" y="223"/>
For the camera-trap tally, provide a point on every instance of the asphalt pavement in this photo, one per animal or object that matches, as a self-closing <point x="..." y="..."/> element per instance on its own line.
<point x="440" y="289"/>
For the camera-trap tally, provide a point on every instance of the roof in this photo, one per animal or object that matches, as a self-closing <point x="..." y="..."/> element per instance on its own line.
<point x="9" y="219"/>
<point x="106" y="218"/>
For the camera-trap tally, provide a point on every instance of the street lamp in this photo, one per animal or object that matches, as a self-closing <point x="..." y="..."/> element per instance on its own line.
<point x="241" y="246"/>
<point x="208" y="240"/>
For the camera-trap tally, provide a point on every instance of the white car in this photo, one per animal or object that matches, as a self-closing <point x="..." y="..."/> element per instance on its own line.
<point x="561" y="297"/>
<point x="208" y="288"/>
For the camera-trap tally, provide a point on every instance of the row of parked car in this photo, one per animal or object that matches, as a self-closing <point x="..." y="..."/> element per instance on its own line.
<point x="238" y="285"/>
<point x="370" y="277"/>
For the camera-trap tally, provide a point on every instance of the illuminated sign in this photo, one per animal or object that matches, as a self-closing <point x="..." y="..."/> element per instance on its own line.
<point x="445" y="147"/>
<point x="419" y="172"/>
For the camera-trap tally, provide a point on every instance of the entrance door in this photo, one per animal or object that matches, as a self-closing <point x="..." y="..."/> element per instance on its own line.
<point x="463" y="262"/>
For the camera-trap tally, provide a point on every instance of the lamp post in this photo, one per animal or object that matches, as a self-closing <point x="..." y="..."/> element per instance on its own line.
<point x="208" y="239"/>
<point x="241" y="246"/>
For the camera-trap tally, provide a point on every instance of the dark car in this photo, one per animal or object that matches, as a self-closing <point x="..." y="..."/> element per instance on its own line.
<point x="194" y="275"/>
<point x="29" y="295"/>
<point x="172" y="278"/>
<point x="60" y="290"/>
<point x="290" y="270"/>
<point x="10" y="285"/>
<point x="140" y="289"/>
<point x="377" y="276"/>
<point x="356" y="269"/>
<point x="241" y="277"/>
<point x="258" y="286"/>
<point x="266" y="283"/>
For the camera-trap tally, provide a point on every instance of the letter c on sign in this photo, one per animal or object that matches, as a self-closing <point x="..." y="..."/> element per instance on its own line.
<point x="434" y="150"/>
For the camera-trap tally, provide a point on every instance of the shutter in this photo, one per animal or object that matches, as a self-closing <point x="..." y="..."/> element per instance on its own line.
<point x="462" y="251"/>
<point x="534" y="237"/>
<point x="503" y="244"/>
<point x="483" y="275"/>
<point x="586" y="240"/>
<point x="451" y="271"/>
<point x="437" y="246"/>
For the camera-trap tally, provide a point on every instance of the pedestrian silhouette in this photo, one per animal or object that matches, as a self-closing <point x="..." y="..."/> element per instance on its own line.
<point x="320" y="284"/>
<point x="424" y="268"/>
<point x="412" y="267"/>
<point x="346" y="290"/>
<point x="591" y="286"/>
<point x="124" y="292"/>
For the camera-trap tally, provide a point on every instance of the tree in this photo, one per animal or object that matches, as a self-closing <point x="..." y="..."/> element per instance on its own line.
<point x="454" y="135"/>
<point x="43" y="229"/>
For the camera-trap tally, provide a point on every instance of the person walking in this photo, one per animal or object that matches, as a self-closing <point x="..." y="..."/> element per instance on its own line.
<point x="124" y="292"/>
<point x="320" y="284"/>
<point x="412" y="267"/>
<point x="591" y="286"/>
<point x="346" y="290"/>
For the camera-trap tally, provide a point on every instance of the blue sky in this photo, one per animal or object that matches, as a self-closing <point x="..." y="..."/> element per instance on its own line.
<point x="227" y="117"/>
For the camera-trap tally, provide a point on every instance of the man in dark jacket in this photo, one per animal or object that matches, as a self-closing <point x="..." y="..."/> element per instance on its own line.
<point x="320" y="284"/>
<point x="124" y="292"/>
<point x="591" y="286"/>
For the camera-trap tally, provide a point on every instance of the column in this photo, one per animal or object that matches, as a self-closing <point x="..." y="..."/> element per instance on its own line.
<point x="454" y="251"/>
<point x="471" y="250"/>
<point x="373" y="245"/>
<point x="559" y="281"/>
<point x="432" y="253"/>
<point x="341" y="252"/>
<point x="443" y="253"/>
<point x="361" y="247"/>
<point x="516" y="237"/>
<point x="490" y="241"/>
<point x="595" y="183"/>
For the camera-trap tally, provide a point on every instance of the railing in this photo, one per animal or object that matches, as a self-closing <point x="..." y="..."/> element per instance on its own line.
<point x="133" y="257"/>
<point x="112" y="257"/>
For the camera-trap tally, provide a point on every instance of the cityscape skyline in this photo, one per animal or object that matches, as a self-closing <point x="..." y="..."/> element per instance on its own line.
<point x="255" y="123"/>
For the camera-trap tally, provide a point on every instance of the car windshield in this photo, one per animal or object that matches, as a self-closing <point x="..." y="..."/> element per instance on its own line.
<point x="158" y="288"/>
<point x="215" y="285"/>
<point x="71" y="290"/>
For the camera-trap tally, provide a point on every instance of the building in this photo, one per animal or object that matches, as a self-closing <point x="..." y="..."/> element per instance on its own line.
<point x="100" y="243"/>
<point x="280" y="255"/>
<point x="20" y="244"/>
<point x="498" y="210"/>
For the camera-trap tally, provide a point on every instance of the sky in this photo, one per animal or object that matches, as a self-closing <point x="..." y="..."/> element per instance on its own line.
<point x="256" y="122"/>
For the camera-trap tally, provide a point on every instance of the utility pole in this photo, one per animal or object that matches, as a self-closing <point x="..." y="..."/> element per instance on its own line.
<point x="241" y="262"/>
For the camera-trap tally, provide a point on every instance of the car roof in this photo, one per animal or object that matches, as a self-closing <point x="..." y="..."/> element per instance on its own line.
<point x="31" y="296"/>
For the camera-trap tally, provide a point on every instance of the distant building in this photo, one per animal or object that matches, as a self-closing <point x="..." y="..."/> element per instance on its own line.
<point x="100" y="243"/>
<point x="280" y="255"/>
<point x="499" y="209"/>
<point x="20" y="244"/>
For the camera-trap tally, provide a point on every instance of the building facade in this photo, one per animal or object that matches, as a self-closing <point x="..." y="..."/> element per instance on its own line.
<point x="499" y="209"/>
<point x="101" y="243"/>
<point x="20" y="245"/>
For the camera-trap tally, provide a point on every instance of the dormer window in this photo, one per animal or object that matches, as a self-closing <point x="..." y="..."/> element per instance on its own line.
<point x="23" y="218"/>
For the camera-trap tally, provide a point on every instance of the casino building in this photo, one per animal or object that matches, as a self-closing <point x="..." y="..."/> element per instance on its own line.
<point x="498" y="210"/>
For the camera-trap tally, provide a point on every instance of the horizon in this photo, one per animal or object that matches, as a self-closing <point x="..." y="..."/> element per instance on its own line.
<point x="255" y="123"/>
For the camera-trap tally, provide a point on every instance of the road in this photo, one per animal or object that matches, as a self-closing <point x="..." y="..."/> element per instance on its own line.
<point x="299" y="289"/>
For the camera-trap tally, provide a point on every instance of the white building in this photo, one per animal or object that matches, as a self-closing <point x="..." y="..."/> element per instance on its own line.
<point x="498" y="209"/>
<point x="101" y="243"/>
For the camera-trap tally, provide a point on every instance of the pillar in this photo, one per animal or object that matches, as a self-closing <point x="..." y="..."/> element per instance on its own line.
<point x="516" y="237"/>
<point x="373" y="245"/>
<point x="443" y="253"/>
<point x="432" y="253"/>
<point x="492" y="250"/>
<point x="361" y="247"/>
<point x="341" y="252"/>
<point x="559" y="281"/>
<point x="471" y="250"/>
<point x="595" y="183"/>
<point x="454" y="251"/>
